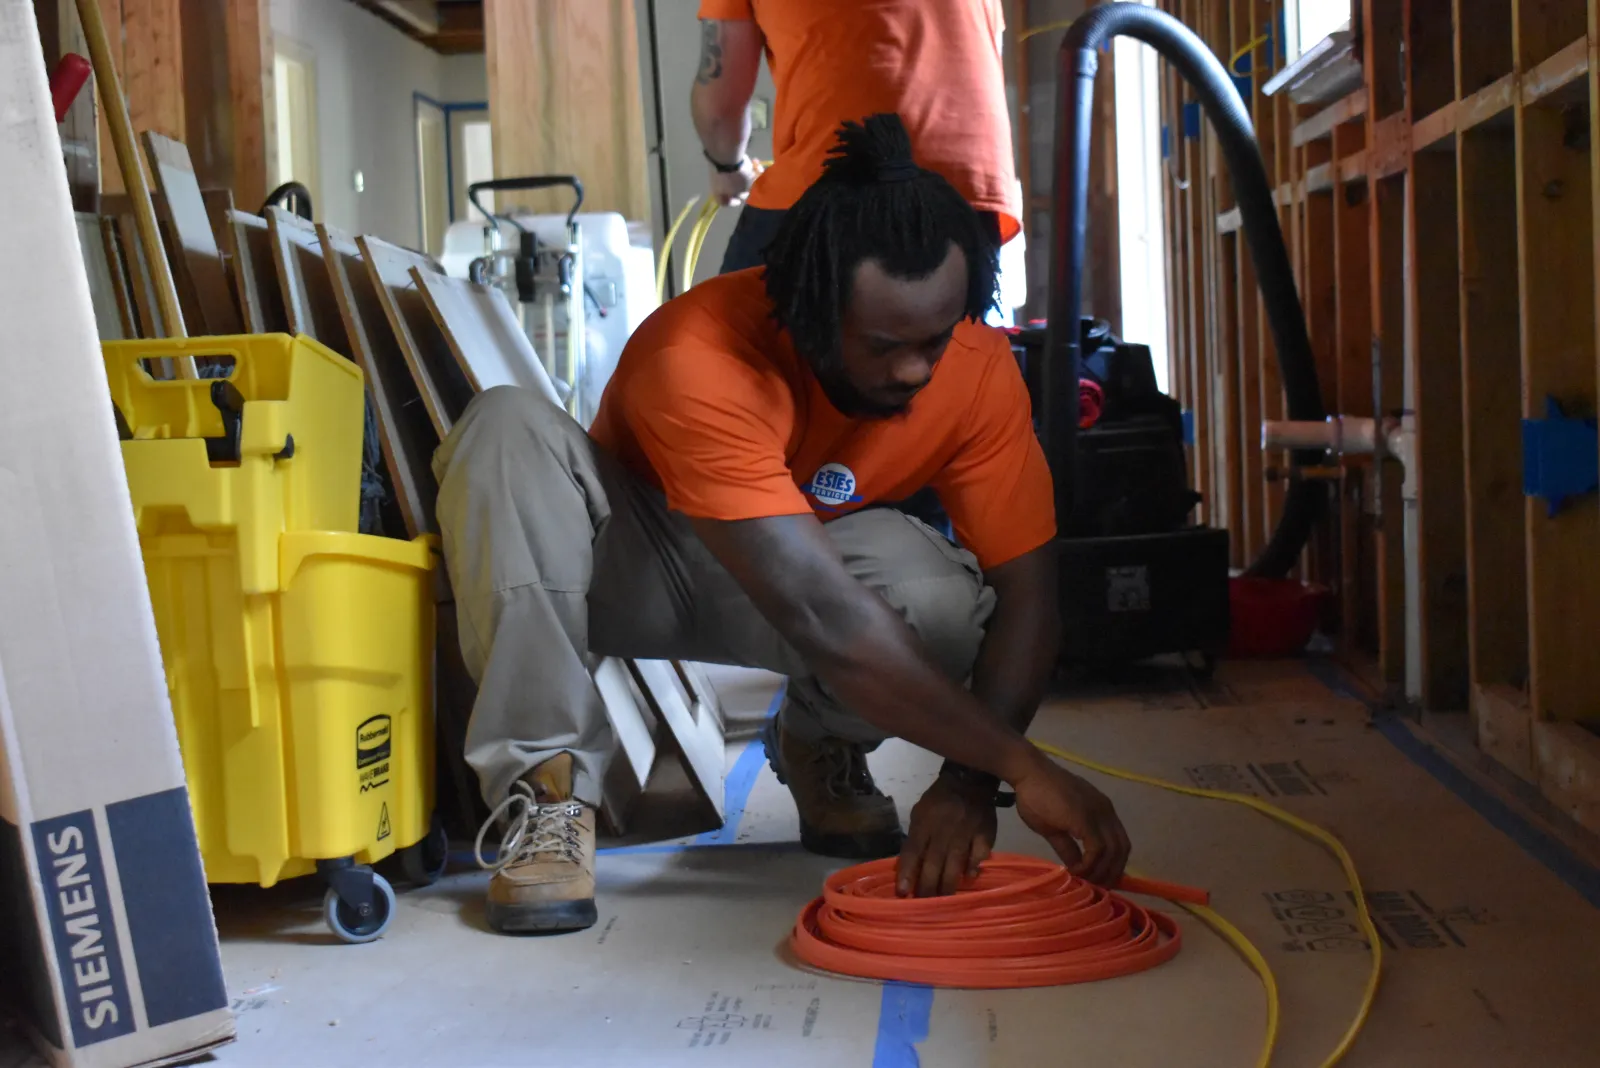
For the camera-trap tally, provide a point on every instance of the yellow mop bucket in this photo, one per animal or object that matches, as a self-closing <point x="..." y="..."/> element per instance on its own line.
<point x="298" y="652"/>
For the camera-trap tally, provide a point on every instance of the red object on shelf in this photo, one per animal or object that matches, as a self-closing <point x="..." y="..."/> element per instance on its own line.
<point x="1091" y="402"/>
<point x="1272" y="617"/>
<point x="66" y="81"/>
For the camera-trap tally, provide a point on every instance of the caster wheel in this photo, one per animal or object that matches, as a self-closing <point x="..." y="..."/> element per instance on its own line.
<point x="425" y="861"/>
<point x="349" y="924"/>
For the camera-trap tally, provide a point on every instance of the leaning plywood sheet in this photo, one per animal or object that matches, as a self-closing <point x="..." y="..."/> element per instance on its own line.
<point x="444" y="389"/>
<point x="254" y="274"/>
<point x="484" y="335"/>
<point x="405" y="432"/>
<point x="308" y="294"/>
<point x="196" y="253"/>
<point x="102" y="287"/>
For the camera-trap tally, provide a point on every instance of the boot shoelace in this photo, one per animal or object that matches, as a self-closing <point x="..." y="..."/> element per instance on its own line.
<point x="532" y="829"/>
<point x="844" y="770"/>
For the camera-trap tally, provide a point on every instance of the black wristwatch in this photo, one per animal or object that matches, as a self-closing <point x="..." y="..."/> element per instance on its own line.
<point x="724" y="168"/>
<point x="980" y="783"/>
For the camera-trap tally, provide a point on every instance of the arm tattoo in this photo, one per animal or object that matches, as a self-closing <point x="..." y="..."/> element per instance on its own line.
<point x="710" y="53"/>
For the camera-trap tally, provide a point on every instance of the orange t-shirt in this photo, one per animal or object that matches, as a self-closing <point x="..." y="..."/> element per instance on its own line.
<point x="935" y="62"/>
<point x="711" y="404"/>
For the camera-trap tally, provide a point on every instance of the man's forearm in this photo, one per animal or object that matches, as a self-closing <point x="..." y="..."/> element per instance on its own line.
<point x="1021" y="644"/>
<point x="718" y="102"/>
<point x="879" y="670"/>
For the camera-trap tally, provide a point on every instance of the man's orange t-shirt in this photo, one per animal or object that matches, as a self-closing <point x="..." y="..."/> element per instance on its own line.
<point x="711" y="403"/>
<point x="934" y="62"/>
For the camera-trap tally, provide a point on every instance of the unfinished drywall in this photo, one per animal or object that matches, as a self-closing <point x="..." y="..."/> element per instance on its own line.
<point x="368" y="76"/>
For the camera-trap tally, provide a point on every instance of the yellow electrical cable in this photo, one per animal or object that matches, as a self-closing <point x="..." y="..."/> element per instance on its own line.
<point x="666" y="251"/>
<point x="1034" y="31"/>
<point x="697" y="239"/>
<point x="1236" y="937"/>
<point x="1233" y="64"/>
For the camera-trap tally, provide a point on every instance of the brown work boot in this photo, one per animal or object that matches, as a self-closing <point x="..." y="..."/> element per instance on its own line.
<point x="544" y="875"/>
<point x="842" y="811"/>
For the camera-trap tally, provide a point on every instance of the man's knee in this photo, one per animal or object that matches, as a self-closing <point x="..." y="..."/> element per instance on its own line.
<point x="936" y="586"/>
<point x="500" y="419"/>
<point x="513" y="409"/>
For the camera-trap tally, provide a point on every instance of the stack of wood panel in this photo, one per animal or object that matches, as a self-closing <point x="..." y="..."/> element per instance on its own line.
<point x="426" y="343"/>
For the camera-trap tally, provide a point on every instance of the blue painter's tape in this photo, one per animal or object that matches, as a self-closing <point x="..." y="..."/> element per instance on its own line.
<point x="1561" y="861"/>
<point x="1244" y="85"/>
<point x="741" y="780"/>
<point x="903" y="1018"/>
<point x="1166" y="141"/>
<point x="1188" y="427"/>
<point x="1191" y="120"/>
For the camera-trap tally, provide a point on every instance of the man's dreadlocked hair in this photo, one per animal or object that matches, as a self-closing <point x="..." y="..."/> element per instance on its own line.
<point x="872" y="202"/>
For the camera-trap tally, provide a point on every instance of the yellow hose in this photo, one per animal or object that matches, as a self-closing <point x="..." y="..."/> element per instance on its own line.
<point x="666" y="250"/>
<point x="694" y="242"/>
<point x="1237" y="938"/>
<point x="1233" y="64"/>
<point x="1034" y="31"/>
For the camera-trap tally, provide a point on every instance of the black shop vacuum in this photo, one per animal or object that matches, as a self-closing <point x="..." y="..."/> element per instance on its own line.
<point x="1139" y="577"/>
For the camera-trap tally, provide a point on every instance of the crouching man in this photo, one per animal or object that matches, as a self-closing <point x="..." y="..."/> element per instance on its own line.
<point x="720" y="510"/>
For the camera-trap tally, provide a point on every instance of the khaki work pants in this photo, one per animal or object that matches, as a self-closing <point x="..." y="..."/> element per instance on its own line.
<point x="559" y="556"/>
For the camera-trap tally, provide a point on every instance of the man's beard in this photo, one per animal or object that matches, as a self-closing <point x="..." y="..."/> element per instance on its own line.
<point x="850" y="401"/>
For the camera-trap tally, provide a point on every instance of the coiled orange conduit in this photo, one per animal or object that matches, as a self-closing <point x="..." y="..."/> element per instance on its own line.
<point x="1022" y="922"/>
<point x="1027" y="922"/>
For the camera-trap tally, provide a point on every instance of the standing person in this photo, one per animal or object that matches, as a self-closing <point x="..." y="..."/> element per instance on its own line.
<point x="720" y="510"/>
<point x="935" y="63"/>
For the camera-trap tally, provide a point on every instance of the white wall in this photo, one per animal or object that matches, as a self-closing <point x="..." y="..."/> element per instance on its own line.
<point x="367" y="72"/>
<point x="463" y="79"/>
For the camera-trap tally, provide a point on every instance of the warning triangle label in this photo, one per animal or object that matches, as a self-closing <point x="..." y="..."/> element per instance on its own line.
<point x="383" y="822"/>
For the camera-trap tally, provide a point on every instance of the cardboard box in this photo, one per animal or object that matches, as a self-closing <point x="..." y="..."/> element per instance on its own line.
<point x="107" y="943"/>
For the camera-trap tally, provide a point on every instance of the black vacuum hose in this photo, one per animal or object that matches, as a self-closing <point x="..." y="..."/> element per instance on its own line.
<point x="1194" y="61"/>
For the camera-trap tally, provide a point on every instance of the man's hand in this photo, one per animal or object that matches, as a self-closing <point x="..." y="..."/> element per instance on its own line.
<point x="1065" y="810"/>
<point x="730" y="187"/>
<point x="952" y="832"/>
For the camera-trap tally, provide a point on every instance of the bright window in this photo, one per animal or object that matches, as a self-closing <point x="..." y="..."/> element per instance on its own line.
<point x="1308" y="21"/>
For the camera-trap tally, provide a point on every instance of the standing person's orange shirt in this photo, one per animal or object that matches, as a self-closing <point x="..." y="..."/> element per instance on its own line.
<point x="934" y="62"/>
<point x="711" y="404"/>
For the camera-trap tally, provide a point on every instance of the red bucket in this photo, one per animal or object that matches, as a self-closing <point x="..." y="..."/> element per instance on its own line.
<point x="1272" y="617"/>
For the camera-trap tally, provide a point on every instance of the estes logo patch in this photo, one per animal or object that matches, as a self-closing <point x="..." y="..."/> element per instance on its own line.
<point x="833" y="486"/>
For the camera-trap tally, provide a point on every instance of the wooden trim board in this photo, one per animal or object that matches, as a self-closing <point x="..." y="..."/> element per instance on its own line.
<point x="308" y="293"/>
<point x="127" y="314"/>
<point x="405" y="433"/>
<point x="254" y="270"/>
<point x="692" y="726"/>
<point x="424" y="347"/>
<point x="103" y="288"/>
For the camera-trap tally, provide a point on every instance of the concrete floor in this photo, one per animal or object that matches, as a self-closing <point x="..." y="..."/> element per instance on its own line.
<point x="1489" y="923"/>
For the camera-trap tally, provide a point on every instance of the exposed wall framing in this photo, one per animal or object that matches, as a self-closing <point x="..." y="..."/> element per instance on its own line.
<point x="1441" y="223"/>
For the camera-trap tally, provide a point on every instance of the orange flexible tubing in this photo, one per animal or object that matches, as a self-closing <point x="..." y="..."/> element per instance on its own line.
<point x="1023" y="922"/>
